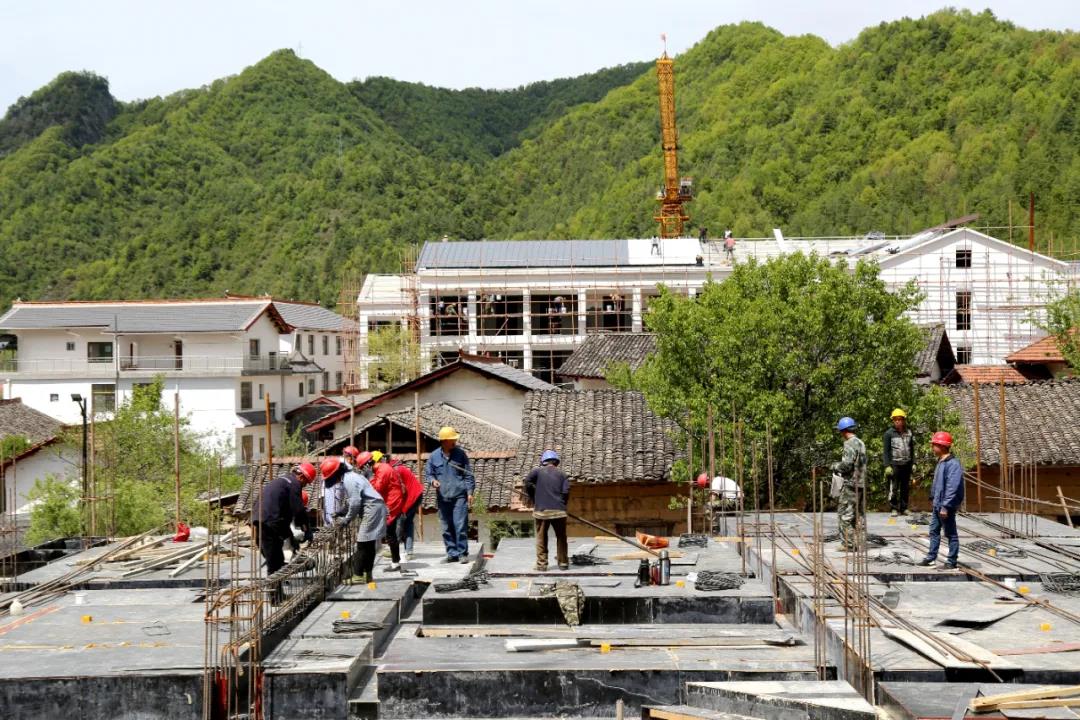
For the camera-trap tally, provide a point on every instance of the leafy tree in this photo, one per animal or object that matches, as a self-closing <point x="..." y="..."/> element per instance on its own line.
<point x="55" y="512"/>
<point x="397" y="356"/>
<point x="787" y="347"/>
<point x="293" y="444"/>
<point x="133" y="462"/>
<point x="12" y="445"/>
<point x="1063" y="322"/>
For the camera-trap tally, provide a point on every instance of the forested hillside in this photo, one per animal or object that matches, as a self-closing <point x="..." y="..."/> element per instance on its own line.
<point x="281" y="178"/>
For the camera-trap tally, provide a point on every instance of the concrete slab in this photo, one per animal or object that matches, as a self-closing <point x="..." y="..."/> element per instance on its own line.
<point x="923" y="701"/>
<point x="312" y="678"/>
<point x="110" y="575"/>
<point x="319" y="624"/>
<point x="132" y="653"/>
<point x="607" y="600"/>
<point x="455" y="677"/>
<point x="428" y="564"/>
<point x="783" y="700"/>
<point x="881" y="523"/>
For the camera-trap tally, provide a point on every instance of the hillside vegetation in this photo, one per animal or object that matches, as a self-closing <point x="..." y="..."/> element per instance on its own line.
<point x="281" y="179"/>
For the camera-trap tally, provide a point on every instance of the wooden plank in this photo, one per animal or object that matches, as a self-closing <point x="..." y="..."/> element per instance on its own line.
<point x="1021" y="695"/>
<point x="1042" y="650"/>
<point x="642" y="555"/>
<point x="977" y="652"/>
<point x="535" y="644"/>
<point x="926" y="648"/>
<point x="1032" y="704"/>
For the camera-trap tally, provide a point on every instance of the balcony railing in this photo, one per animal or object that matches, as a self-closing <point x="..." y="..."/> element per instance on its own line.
<point x="166" y="364"/>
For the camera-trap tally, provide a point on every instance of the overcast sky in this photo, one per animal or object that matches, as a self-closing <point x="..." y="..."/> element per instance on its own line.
<point x="149" y="48"/>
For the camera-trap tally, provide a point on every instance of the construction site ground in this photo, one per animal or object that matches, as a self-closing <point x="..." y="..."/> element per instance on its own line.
<point x="504" y="649"/>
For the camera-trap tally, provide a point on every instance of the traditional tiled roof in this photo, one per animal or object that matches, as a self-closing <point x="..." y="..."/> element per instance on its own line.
<point x="591" y="358"/>
<point x="19" y="419"/>
<point x="1042" y="421"/>
<point x="984" y="374"/>
<point x="496" y="480"/>
<point x="257" y="472"/>
<point x="603" y="436"/>
<point x="502" y="371"/>
<point x="937" y="349"/>
<point x="1043" y="350"/>
<point x="476" y="435"/>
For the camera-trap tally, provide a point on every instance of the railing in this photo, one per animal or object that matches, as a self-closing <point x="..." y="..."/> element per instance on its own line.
<point x="167" y="364"/>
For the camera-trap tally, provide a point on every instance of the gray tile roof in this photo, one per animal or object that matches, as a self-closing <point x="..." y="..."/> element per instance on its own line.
<point x="603" y="436"/>
<point x="937" y="348"/>
<point x="224" y="316"/>
<point x="591" y="358"/>
<point x="166" y="316"/>
<point x="19" y="419"/>
<point x="524" y="253"/>
<point x="496" y="479"/>
<point x="508" y="373"/>
<point x="256" y="473"/>
<point x="476" y="434"/>
<point x="1042" y="421"/>
<point x="309" y="317"/>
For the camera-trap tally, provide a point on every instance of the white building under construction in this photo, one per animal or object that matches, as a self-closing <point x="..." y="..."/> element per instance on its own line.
<point x="531" y="302"/>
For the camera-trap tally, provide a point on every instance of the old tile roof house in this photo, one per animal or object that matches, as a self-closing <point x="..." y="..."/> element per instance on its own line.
<point x="598" y="352"/>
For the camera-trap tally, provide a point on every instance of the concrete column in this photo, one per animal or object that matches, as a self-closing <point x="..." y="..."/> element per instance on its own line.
<point x="424" y="313"/>
<point x="582" y="318"/>
<point x="526" y="314"/>
<point x="471" y="306"/>
<point x="635" y="317"/>
<point x="526" y="361"/>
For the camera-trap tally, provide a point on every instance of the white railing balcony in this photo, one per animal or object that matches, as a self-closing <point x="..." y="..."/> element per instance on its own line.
<point x="146" y="365"/>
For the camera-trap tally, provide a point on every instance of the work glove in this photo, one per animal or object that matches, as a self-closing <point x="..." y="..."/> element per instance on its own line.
<point x="889" y="471"/>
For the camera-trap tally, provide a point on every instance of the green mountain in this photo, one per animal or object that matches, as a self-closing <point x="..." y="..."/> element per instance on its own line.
<point x="281" y="179"/>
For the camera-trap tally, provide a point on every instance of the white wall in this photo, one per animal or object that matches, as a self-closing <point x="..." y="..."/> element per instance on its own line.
<point x="490" y="400"/>
<point x="49" y="460"/>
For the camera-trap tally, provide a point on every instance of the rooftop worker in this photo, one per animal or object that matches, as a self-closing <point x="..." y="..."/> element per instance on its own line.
<point x="729" y="246"/>
<point x="549" y="489"/>
<point x="365" y="503"/>
<point x="349" y="455"/>
<point x="281" y="505"/>
<point x="898" y="454"/>
<point x="388" y="484"/>
<point x="946" y="494"/>
<point x="414" y="497"/>
<point x="448" y="471"/>
<point x="363" y="464"/>
<point x="335" y="499"/>
<point x="852" y="471"/>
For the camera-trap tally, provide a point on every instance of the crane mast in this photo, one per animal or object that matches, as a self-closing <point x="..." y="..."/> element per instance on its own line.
<point x="676" y="190"/>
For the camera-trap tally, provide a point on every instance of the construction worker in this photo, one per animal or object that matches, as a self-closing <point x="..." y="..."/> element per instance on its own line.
<point x="335" y="500"/>
<point x="365" y="503"/>
<point x="852" y="470"/>
<point x="388" y="484"/>
<point x="448" y="471"/>
<point x="280" y="506"/>
<point x="898" y="454"/>
<point x="349" y="456"/>
<point x="414" y="497"/>
<point x="549" y="489"/>
<point x="729" y="246"/>
<point x="946" y="494"/>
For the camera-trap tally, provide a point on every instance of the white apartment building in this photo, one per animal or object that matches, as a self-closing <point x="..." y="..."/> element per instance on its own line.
<point x="223" y="357"/>
<point x="531" y="302"/>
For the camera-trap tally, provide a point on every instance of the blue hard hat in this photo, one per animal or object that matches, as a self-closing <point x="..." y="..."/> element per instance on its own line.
<point x="549" y="456"/>
<point x="845" y="423"/>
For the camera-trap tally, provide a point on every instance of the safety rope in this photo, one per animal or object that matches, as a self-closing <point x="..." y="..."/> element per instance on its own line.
<point x="710" y="580"/>
<point x="588" y="559"/>
<point x="472" y="581"/>
<point x="1061" y="583"/>
<point x="693" y="540"/>
<point x="355" y="627"/>
<point x="985" y="546"/>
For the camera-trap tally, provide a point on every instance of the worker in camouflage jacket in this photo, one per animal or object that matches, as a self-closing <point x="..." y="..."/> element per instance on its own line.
<point x="852" y="470"/>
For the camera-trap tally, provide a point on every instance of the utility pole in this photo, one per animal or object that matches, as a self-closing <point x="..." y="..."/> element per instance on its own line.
<point x="176" y="453"/>
<point x="76" y="397"/>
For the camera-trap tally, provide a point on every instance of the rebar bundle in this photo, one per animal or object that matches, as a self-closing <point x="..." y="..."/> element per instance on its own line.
<point x="711" y="580"/>
<point x="985" y="546"/>
<point x="472" y="581"/>
<point x="693" y="540"/>
<point x="1061" y="583"/>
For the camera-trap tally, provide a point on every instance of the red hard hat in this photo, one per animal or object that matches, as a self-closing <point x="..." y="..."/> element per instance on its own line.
<point x="941" y="438"/>
<point x="351" y="451"/>
<point x="306" y="471"/>
<point x="703" y="480"/>
<point x="329" y="467"/>
<point x="304" y="497"/>
<point x="363" y="459"/>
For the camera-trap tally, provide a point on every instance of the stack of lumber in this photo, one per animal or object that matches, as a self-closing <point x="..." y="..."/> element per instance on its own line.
<point x="1055" y="697"/>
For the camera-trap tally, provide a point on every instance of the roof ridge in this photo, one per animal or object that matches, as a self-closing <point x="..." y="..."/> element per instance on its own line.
<point x="481" y="420"/>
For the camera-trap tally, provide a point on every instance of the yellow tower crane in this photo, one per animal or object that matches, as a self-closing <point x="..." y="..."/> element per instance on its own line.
<point x="676" y="190"/>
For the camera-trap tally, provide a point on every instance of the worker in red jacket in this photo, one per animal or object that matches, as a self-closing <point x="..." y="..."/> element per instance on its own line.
<point x="414" y="497"/>
<point x="388" y="484"/>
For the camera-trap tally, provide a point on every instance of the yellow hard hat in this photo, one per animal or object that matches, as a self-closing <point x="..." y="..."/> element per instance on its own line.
<point x="376" y="456"/>
<point x="448" y="433"/>
<point x="898" y="413"/>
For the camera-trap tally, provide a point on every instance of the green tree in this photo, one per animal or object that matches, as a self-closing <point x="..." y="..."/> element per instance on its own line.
<point x="1063" y="322"/>
<point x="788" y="347"/>
<point x="397" y="356"/>
<point x="12" y="445"/>
<point x="133" y="463"/>
<point x="55" y="511"/>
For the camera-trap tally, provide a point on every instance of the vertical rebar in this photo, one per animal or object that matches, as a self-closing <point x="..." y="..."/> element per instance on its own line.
<point x="978" y="447"/>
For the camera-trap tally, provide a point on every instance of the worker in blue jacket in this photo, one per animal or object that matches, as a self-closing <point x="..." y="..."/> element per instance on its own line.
<point x="448" y="471"/>
<point x="946" y="495"/>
